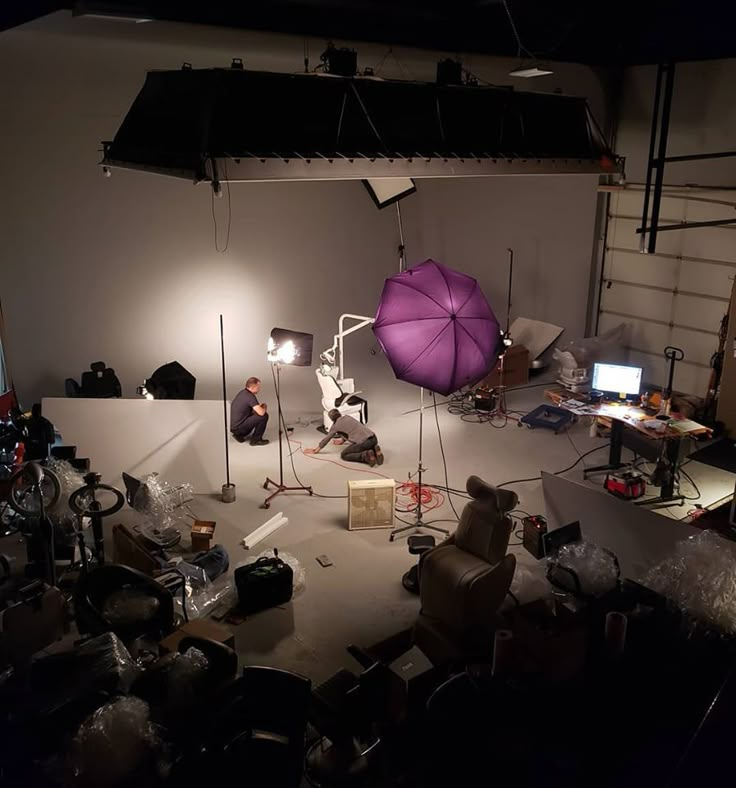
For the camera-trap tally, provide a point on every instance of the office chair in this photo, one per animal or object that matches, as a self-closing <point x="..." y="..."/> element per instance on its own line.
<point x="345" y="710"/>
<point x="119" y="599"/>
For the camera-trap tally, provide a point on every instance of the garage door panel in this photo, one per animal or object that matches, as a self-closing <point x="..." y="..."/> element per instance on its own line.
<point x="701" y="313"/>
<point x="696" y="261"/>
<point x="642" y="268"/>
<point x="711" y="243"/>
<point x="637" y="301"/>
<point x="706" y="278"/>
<point x="697" y="346"/>
<point x="630" y="203"/>
<point x="622" y="233"/>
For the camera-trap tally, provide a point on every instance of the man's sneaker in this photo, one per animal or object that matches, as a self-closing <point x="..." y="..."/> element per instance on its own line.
<point x="239" y="438"/>
<point x="379" y="455"/>
<point x="369" y="457"/>
<point x="259" y="442"/>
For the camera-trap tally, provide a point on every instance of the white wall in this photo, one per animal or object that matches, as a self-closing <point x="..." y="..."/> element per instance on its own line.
<point x="124" y="270"/>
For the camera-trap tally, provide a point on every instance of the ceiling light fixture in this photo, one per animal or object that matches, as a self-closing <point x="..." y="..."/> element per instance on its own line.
<point x="526" y="72"/>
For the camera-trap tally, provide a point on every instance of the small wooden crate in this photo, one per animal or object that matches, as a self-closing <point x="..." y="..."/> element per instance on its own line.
<point x="202" y="533"/>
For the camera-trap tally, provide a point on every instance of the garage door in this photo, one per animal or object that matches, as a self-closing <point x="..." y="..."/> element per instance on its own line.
<point x="676" y="296"/>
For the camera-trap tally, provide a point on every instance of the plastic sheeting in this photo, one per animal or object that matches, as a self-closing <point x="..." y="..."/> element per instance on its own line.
<point x="162" y="503"/>
<point x="202" y="596"/>
<point x="700" y="578"/>
<point x="102" y="662"/>
<point x="596" y="568"/>
<point x="583" y="353"/>
<point x="117" y="745"/>
<point x="70" y="480"/>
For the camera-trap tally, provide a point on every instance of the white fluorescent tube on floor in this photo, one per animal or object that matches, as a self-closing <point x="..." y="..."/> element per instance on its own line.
<point x="264" y="530"/>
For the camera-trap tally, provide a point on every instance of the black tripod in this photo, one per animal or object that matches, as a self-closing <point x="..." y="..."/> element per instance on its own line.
<point x="280" y="486"/>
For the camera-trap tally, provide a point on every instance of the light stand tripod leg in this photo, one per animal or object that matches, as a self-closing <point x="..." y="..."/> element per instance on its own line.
<point x="280" y="486"/>
<point x="419" y="523"/>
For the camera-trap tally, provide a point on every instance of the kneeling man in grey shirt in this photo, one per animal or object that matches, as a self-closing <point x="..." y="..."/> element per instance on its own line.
<point x="362" y="442"/>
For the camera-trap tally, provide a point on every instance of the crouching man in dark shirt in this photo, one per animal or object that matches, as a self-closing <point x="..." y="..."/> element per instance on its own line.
<point x="362" y="442"/>
<point x="248" y="417"/>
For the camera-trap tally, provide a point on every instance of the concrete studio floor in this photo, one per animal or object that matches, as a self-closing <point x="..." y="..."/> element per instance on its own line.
<point x="360" y="598"/>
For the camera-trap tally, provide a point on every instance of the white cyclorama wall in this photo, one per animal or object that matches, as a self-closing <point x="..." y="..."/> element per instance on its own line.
<point x="125" y="269"/>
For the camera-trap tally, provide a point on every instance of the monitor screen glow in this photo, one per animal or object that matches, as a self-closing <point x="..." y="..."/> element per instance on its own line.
<point x="617" y="379"/>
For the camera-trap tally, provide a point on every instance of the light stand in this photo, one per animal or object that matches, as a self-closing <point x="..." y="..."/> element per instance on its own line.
<point x="228" y="489"/>
<point x="507" y="341"/>
<point x="418" y="522"/>
<point x="280" y="486"/>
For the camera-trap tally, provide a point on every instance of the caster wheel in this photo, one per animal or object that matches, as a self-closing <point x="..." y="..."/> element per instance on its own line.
<point x="519" y="424"/>
<point x="265" y="485"/>
<point x="265" y="506"/>
<point x="391" y="538"/>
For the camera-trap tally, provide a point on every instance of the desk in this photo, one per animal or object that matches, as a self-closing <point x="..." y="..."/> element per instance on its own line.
<point x="618" y="417"/>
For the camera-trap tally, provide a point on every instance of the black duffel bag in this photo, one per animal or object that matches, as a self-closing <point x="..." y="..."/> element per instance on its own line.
<point x="265" y="583"/>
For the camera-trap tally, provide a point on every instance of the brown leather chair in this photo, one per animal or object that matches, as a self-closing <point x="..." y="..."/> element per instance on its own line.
<point x="465" y="579"/>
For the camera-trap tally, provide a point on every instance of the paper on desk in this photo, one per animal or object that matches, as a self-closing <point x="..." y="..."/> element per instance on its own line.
<point x="685" y="425"/>
<point x="578" y="407"/>
<point x="534" y="335"/>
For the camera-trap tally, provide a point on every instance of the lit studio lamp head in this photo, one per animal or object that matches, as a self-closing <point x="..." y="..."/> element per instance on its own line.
<point x="290" y="347"/>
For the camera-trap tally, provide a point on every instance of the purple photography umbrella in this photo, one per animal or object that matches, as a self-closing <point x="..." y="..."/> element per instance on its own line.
<point x="436" y="328"/>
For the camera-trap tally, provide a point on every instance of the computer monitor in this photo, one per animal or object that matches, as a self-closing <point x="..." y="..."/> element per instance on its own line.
<point x="617" y="381"/>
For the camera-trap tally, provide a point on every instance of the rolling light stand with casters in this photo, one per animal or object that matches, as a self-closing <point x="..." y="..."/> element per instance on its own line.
<point x="84" y="503"/>
<point x="279" y="486"/>
<point x="419" y="522"/>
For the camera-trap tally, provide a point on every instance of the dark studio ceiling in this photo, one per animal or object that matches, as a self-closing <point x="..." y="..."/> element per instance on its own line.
<point x="594" y="32"/>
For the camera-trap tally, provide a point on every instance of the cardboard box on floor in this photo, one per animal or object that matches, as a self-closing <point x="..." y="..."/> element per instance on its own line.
<point x="726" y="410"/>
<point x="515" y="369"/>
<point x="200" y="628"/>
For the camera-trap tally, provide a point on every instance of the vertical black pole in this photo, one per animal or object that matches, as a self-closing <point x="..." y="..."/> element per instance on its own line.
<point x="281" y="424"/>
<point x="661" y="154"/>
<point x="511" y="277"/>
<point x="224" y="402"/>
<point x="650" y="161"/>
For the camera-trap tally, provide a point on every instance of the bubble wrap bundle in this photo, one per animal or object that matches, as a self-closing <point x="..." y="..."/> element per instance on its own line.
<point x="117" y="744"/>
<point x="700" y="578"/>
<point x="161" y="502"/>
<point x="595" y="567"/>
<point x="70" y="480"/>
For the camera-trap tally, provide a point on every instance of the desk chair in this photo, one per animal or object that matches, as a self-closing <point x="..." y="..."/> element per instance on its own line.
<point x="334" y="397"/>
<point x="345" y="709"/>
<point x="465" y="579"/>
<point x="119" y="599"/>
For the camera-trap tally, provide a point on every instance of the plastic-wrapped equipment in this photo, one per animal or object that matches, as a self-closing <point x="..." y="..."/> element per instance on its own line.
<point x="700" y="578"/>
<point x="584" y="568"/>
<point x="161" y="502"/>
<point x="70" y="480"/>
<point x="118" y="745"/>
<point x="530" y="583"/>
<point x="100" y="663"/>
<point x="201" y="595"/>
<point x="577" y="357"/>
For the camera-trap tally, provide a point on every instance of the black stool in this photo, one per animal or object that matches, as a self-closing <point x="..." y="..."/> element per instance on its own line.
<point x="418" y="544"/>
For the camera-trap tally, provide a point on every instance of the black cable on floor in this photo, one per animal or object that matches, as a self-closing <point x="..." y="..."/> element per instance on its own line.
<point x="556" y="473"/>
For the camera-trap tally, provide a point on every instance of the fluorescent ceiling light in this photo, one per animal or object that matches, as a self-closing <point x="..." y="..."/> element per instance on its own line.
<point x="526" y="72"/>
